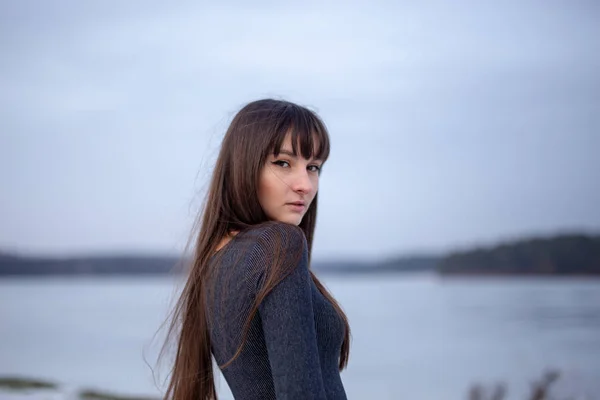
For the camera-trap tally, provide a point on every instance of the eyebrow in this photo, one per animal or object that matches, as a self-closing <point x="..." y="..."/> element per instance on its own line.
<point x="291" y="154"/>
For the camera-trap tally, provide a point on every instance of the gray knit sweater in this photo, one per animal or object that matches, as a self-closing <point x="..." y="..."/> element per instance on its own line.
<point x="293" y="346"/>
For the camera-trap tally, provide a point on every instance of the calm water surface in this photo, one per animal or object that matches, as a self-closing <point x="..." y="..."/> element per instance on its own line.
<point x="414" y="336"/>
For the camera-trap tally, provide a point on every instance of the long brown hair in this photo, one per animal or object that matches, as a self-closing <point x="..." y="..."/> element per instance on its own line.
<point x="231" y="204"/>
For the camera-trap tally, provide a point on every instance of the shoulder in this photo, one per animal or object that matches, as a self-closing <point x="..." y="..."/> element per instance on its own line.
<point x="278" y="236"/>
<point x="277" y="250"/>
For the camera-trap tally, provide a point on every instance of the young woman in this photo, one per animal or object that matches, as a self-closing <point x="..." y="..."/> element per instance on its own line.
<point x="251" y="300"/>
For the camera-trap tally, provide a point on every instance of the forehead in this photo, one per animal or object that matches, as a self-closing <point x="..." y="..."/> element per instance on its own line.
<point x="287" y="146"/>
<point x="287" y="142"/>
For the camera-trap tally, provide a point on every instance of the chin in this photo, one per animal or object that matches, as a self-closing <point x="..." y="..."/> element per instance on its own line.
<point x="290" y="219"/>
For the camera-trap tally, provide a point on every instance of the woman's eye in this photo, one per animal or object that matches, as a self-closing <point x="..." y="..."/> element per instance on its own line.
<point x="282" y="163"/>
<point x="314" y="168"/>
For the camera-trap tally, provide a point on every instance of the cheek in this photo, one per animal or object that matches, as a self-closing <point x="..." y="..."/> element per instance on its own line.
<point x="263" y="190"/>
<point x="267" y="187"/>
<point x="315" y="186"/>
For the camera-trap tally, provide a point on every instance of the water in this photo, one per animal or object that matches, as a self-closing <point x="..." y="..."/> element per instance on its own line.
<point x="414" y="336"/>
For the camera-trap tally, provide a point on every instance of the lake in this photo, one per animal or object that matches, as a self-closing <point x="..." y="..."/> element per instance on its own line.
<point x="415" y="336"/>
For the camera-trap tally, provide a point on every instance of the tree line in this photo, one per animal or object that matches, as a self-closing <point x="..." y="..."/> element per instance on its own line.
<point x="575" y="254"/>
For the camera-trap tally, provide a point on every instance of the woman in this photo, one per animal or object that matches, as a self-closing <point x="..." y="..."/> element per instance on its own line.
<point x="251" y="300"/>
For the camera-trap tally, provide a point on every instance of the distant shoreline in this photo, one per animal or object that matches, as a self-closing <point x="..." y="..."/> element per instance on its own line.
<point x="559" y="256"/>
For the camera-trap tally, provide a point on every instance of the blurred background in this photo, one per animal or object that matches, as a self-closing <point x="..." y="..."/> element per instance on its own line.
<point x="459" y="211"/>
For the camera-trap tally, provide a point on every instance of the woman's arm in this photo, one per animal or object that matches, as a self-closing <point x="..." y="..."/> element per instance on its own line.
<point x="288" y="320"/>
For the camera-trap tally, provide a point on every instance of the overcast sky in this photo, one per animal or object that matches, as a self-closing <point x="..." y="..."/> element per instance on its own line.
<point x="452" y="123"/>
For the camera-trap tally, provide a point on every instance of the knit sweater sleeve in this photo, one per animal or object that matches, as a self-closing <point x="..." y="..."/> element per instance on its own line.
<point x="287" y="313"/>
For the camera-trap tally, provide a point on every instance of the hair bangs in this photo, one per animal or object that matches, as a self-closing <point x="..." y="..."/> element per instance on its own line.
<point x="309" y="137"/>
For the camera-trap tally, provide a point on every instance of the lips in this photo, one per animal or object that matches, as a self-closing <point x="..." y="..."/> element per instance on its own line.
<point x="297" y="206"/>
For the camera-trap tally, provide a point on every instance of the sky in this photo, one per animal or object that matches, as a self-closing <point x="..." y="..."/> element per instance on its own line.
<point x="453" y="124"/>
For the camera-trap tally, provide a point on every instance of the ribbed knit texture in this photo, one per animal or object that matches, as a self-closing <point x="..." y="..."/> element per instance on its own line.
<point x="293" y="345"/>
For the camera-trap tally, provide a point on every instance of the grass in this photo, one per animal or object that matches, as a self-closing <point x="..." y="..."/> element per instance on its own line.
<point x="540" y="390"/>
<point x="88" y="394"/>
<point x="26" y="384"/>
<point x="18" y="383"/>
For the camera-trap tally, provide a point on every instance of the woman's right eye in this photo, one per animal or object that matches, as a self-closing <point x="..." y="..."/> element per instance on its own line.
<point x="281" y="163"/>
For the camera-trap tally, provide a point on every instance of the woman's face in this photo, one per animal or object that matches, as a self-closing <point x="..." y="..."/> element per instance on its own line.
<point x="288" y="184"/>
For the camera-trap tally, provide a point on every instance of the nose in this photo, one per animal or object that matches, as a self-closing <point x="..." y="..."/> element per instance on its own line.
<point x="302" y="182"/>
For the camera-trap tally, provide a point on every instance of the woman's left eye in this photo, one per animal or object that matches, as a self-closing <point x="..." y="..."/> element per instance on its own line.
<point x="314" y="168"/>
